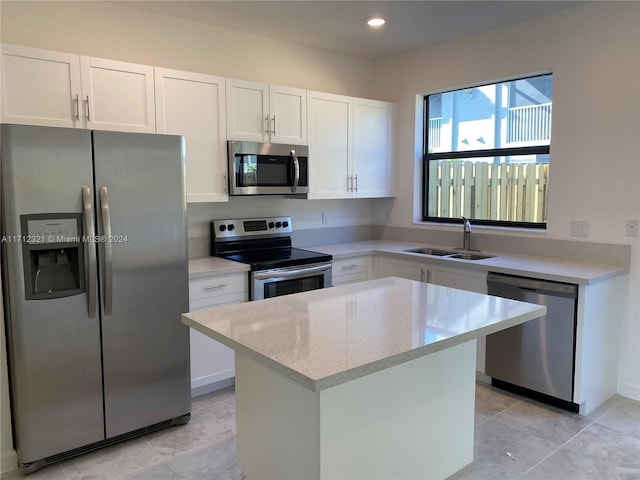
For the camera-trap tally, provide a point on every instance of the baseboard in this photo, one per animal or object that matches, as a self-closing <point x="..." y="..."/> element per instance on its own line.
<point x="629" y="390"/>
<point x="483" y="377"/>
<point x="212" y="387"/>
<point x="8" y="461"/>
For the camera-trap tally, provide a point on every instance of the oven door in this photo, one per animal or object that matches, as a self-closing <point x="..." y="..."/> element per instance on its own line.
<point x="283" y="281"/>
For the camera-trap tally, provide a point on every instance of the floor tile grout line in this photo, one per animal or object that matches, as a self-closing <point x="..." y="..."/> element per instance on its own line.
<point x="564" y="444"/>
<point x="165" y="459"/>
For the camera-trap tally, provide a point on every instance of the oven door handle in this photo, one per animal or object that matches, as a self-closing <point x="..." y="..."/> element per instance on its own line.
<point x="287" y="273"/>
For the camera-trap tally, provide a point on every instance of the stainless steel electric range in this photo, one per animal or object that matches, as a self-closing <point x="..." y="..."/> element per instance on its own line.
<point x="276" y="267"/>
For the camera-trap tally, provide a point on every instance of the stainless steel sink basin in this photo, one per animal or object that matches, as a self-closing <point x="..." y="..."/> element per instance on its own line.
<point x="450" y="253"/>
<point x="471" y="256"/>
<point x="431" y="251"/>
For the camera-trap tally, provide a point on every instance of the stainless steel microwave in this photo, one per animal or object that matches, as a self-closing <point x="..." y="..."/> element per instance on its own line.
<point x="268" y="169"/>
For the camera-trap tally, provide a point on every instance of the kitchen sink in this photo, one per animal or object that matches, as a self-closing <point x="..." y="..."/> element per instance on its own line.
<point x="450" y="253"/>
<point x="471" y="256"/>
<point x="431" y="251"/>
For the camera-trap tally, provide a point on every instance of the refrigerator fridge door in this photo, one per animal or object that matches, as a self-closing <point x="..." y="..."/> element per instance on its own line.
<point x="54" y="344"/>
<point x="141" y="206"/>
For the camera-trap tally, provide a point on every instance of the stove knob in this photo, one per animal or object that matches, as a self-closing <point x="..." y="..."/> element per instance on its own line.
<point x="278" y="224"/>
<point x="222" y="228"/>
<point x="271" y="224"/>
<point x="285" y="224"/>
<point x="231" y="226"/>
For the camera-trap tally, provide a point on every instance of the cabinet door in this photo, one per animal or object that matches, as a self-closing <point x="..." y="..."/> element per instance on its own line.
<point x="117" y="95"/>
<point x="193" y="105"/>
<point x="288" y="115"/>
<point x="247" y="111"/>
<point x="463" y="279"/>
<point x="329" y="145"/>
<point x="40" y="87"/>
<point x="373" y="166"/>
<point x="390" y="267"/>
<point x="212" y="361"/>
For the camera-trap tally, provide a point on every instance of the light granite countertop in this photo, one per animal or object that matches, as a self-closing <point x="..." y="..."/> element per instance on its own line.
<point x="326" y="337"/>
<point x="205" y="266"/>
<point x="539" y="267"/>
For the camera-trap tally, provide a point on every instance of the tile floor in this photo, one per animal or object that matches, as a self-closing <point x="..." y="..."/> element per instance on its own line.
<point x="515" y="439"/>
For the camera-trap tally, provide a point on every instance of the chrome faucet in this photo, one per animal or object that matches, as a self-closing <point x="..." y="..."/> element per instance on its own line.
<point x="466" y="234"/>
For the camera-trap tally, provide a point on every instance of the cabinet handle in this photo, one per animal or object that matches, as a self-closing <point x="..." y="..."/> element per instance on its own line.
<point x="428" y="276"/>
<point x="266" y="124"/>
<point x="273" y="126"/>
<point x="86" y="109"/>
<point x="350" y="183"/>
<point x="76" y="102"/>
<point x="215" y="287"/>
<point x="356" y="177"/>
<point x="224" y="182"/>
<point x="349" y="267"/>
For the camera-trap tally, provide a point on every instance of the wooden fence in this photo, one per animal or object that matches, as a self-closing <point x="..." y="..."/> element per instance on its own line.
<point x="487" y="191"/>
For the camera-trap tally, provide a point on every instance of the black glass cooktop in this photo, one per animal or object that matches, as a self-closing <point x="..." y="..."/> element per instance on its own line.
<point x="276" y="257"/>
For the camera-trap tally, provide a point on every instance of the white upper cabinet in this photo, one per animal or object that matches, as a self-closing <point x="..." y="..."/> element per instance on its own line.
<point x="41" y="87"/>
<point x="373" y="167"/>
<point x="258" y="112"/>
<point x="350" y="147"/>
<point x="193" y="105"/>
<point x="117" y="95"/>
<point x="329" y="145"/>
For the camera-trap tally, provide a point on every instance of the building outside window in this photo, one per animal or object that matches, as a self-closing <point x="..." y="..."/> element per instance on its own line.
<point x="487" y="153"/>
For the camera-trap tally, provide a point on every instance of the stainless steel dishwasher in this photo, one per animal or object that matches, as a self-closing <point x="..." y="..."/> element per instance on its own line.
<point x="537" y="357"/>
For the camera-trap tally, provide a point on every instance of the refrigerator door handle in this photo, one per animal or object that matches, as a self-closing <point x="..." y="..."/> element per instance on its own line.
<point x="108" y="253"/>
<point x="92" y="276"/>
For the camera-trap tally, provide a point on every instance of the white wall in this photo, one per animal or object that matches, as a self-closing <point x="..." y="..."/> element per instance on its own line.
<point x="119" y="32"/>
<point x="594" y="53"/>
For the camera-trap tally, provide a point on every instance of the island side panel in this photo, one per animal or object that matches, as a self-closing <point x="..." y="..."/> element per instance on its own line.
<point x="414" y="420"/>
<point x="276" y="423"/>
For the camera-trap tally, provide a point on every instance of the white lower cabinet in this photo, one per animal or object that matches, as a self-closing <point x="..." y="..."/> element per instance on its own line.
<point x="395" y="267"/>
<point x="352" y="270"/>
<point x="212" y="362"/>
<point x="454" y="277"/>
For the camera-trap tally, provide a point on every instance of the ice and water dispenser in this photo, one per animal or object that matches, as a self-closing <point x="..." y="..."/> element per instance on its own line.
<point x="53" y="255"/>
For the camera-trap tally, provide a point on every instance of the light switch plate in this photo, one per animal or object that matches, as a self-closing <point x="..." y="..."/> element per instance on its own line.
<point x="633" y="228"/>
<point x="579" y="228"/>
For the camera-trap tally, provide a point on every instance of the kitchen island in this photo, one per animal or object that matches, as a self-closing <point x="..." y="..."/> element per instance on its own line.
<point x="363" y="381"/>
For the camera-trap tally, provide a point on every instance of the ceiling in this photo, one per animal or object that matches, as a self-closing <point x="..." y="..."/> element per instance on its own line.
<point x="339" y="26"/>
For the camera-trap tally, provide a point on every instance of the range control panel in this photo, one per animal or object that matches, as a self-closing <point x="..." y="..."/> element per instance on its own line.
<point x="248" y="227"/>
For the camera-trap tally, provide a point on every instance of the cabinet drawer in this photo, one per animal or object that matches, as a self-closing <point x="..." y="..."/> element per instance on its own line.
<point x="217" y="286"/>
<point x="347" y="266"/>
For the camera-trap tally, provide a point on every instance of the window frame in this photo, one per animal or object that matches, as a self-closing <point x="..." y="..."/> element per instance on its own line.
<point x="495" y="152"/>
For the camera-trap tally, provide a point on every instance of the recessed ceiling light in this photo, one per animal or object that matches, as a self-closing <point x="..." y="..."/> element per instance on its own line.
<point x="375" y="21"/>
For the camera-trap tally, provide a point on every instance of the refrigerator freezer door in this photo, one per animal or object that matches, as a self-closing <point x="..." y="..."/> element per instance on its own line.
<point x="56" y="376"/>
<point x="141" y="180"/>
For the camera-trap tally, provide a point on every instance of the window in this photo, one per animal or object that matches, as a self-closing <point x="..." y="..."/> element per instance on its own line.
<point x="487" y="153"/>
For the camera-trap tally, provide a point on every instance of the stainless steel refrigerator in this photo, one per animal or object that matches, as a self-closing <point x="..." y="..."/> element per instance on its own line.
<point x="94" y="270"/>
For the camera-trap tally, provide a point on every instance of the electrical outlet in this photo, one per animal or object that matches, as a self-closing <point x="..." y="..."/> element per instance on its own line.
<point x="325" y="218"/>
<point x="579" y="228"/>
<point x="633" y="228"/>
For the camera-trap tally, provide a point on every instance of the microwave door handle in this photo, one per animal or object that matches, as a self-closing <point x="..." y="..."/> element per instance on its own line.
<point x="296" y="171"/>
